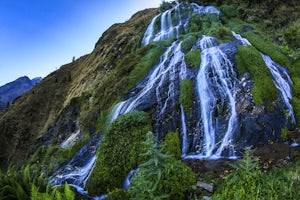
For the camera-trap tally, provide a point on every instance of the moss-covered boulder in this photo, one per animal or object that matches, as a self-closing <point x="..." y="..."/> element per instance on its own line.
<point x="119" y="152"/>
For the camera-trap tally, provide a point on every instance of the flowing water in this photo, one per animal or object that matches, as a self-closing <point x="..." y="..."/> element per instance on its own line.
<point x="282" y="81"/>
<point x="215" y="85"/>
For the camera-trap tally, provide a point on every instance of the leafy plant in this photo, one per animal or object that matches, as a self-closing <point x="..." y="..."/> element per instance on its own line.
<point x="161" y="176"/>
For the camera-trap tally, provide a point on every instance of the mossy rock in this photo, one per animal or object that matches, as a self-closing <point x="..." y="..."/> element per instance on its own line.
<point x="119" y="152"/>
<point x="188" y="43"/>
<point x="186" y="95"/>
<point x="264" y="89"/>
<point x="193" y="58"/>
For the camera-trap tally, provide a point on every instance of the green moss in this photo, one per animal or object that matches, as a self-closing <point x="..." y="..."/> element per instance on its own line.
<point x="264" y="90"/>
<point x="172" y="144"/>
<point x="292" y="35"/>
<point x="268" y="48"/>
<point x="193" y="58"/>
<point x="186" y="95"/>
<point x="188" y="43"/>
<point x="296" y="106"/>
<point x="119" y="152"/>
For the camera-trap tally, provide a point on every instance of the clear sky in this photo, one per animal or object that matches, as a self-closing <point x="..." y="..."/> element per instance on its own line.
<point x="38" y="36"/>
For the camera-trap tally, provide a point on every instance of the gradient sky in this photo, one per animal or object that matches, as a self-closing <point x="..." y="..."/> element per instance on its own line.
<point x="38" y="36"/>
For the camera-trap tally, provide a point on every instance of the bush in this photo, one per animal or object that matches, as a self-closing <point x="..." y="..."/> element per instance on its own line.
<point x="229" y="11"/>
<point x="186" y="95"/>
<point x="193" y="58"/>
<point x="264" y="89"/>
<point x="292" y="35"/>
<point x="161" y="177"/>
<point x="195" y="23"/>
<point x="119" y="152"/>
<point x="247" y="181"/>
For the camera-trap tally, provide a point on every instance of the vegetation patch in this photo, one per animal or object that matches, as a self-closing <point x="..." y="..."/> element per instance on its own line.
<point x="229" y="11"/>
<point x="186" y="95"/>
<point x="193" y="58"/>
<point x="268" y="48"/>
<point x="172" y="144"/>
<point x="161" y="176"/>
<point x="187" y="43"/>
<point x="248" y="181"/>
<point x="119" y="152"/>
<point x="264" y="89"/>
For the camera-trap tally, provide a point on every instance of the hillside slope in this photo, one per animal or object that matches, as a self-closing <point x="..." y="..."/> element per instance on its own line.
<point x="31" y="114"/>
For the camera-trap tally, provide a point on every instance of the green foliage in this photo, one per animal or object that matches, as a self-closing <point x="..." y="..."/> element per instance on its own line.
<point x="119" y="152"/>
<point x="60" y="193"/>
<point x="264" y="89"/>
<point x="172" y="144"/>
<point x="188" y="43"/>
<point x="195" y="23"/>
<point x="17" y="184"/>
<point x="296" y="106"/>
<point x="229" y="11"/>
<point x="165" y="5"/>
<point x="247" y="181"/>
<point x="147" y="61"/>
<point x="186" y="95"/>
<point x="284" y="132"/>
<point x="268" y="48"/>
<point x="118" y="194"/>
<point x="161" y="176"/>
<point x="193" y="58"/>
<point x="292" y="35"/>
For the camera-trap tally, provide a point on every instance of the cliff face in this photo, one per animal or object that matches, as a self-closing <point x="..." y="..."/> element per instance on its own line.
<point x="31" y="114"/>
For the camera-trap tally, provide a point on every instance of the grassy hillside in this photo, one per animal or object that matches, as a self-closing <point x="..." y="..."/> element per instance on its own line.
<point x="31" y="114"/>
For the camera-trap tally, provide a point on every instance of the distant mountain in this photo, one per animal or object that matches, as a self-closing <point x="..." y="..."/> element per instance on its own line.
<point x="12" y="90"/>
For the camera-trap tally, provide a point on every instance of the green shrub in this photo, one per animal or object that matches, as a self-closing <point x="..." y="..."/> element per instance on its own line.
<point x="229" y="11"/>
<point x="118" y="194"/>
<point x="292" y="35"/>
<point x="188" y="43"/>
<point x="172" y="144"/>
<point x="264" y="89"/>
<point x="119" y="152"/>
<point x="247" y="181"/>
<point x="195" y="23"/>
<point x="186" y="95"/>
<point x="193" y="58"/>
<point x="161" y="177"/>
<point x="60" y="193"/>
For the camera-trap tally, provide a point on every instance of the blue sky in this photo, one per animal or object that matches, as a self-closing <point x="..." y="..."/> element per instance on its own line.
<point x="38" y="36"/>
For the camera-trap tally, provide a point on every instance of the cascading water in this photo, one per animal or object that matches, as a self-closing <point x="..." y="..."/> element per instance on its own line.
<point x="280" y="75"/>
<point x="282" y="81"/>
<point x="171" y="28"/>
<point x="215" y="82"/>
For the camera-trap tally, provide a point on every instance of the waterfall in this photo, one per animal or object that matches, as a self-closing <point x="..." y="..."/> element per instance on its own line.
<point x="215" y="84"/>
<point x="280" y="75"/>
<point x="170" y="29"/>
<point x="128" y="178"/>
<point x="185" y="142"/>
<point x="282" y="81"/>
<point x="77" y="171"/>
